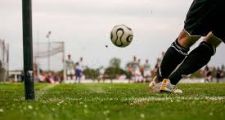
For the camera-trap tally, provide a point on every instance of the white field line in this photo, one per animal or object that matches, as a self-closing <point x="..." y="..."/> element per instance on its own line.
<point x="140" y="100"/>
<point x="176" y="99"/>
<point x="44" y="90"/>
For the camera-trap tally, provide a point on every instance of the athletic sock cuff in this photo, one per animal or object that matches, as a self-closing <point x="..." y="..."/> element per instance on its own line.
<point x="179" y="48"/>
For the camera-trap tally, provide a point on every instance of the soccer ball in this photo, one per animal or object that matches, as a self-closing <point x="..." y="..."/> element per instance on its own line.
<point x="121" y="35"/>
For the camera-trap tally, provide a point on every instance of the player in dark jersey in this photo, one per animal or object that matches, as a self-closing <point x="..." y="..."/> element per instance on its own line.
<point x="205" y="18"/>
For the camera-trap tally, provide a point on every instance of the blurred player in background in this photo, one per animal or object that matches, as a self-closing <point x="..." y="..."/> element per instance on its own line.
<point x="78" y="72"/>
<point x="69" y="64"/>
<point x="82" y="67"/>
<point x="207" y="74"/>
<point x="101" y="74"/>
<point x="135" y="69"/>
<point x="146" y="71"/>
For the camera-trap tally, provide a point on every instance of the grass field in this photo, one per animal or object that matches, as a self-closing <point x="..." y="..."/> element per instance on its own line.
<point x="112" y="102"/>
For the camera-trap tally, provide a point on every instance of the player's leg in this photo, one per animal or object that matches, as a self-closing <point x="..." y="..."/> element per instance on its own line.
<point x="212" y="21"/>
<point x="175" y="54"/>
<point x="196" y="23"/>
<point x="194" y="26"/>
<point x="197" y="58"/>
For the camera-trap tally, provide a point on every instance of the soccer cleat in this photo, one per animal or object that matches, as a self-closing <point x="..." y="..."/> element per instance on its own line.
<point x="167" y="87"/>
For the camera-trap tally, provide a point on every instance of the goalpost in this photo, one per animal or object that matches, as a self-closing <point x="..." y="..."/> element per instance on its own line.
<point x="28" y="50"/>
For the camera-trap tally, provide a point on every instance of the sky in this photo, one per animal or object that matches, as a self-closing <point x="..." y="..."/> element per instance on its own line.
<point x="84" y="26"/>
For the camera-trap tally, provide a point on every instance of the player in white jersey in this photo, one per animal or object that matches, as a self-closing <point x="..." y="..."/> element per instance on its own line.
<point x="69" y="64"/>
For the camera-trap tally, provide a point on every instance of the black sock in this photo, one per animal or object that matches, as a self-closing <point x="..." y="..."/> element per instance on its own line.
<point x="174" y="55"/>
<point x="197" y="58"/>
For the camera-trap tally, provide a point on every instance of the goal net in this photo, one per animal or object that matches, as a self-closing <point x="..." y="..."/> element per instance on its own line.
<point x="4" y="60"/>
<point x="49" y="58"/>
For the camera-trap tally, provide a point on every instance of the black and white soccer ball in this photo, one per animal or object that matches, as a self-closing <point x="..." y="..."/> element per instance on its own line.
<point x="121" y="35"/>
